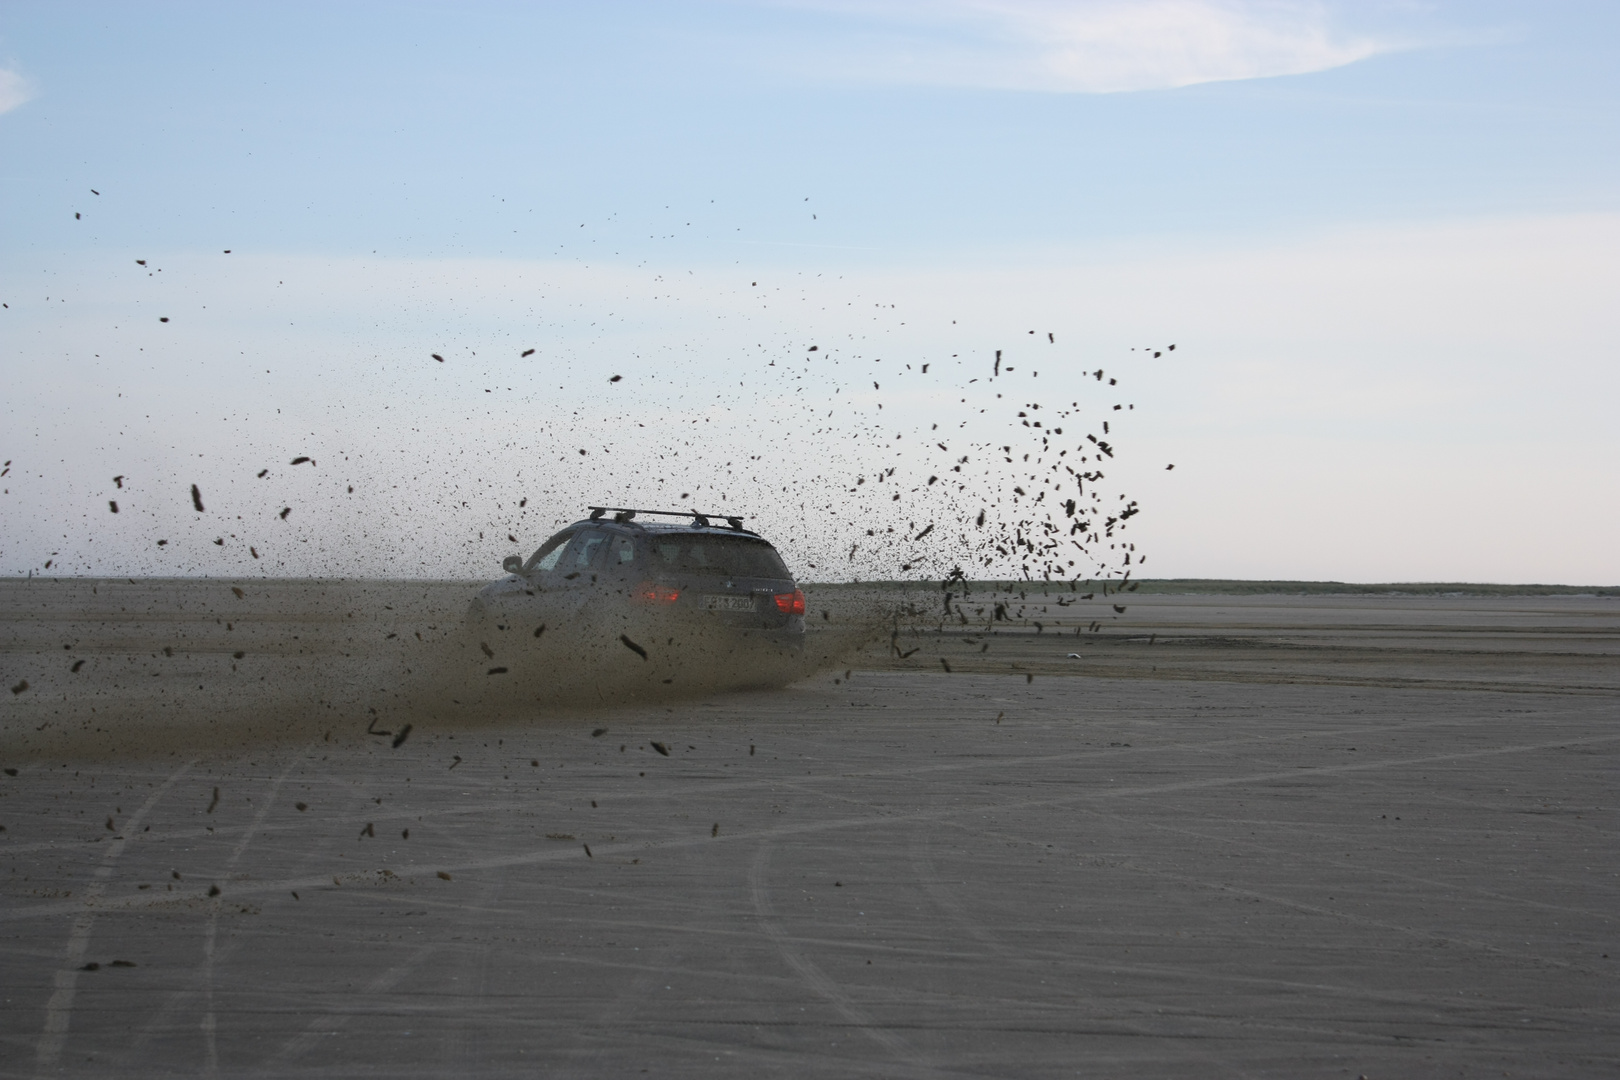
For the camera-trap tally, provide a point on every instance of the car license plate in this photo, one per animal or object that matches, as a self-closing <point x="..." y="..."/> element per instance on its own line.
<point x="729" y="603"/>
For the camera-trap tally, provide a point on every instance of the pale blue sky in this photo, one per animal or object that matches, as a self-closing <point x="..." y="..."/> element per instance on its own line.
<point x="1383" y="232"/>
<point x="345" y="128"/>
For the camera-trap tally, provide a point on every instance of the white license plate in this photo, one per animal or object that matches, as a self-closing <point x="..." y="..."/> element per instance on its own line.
<point x="729" y="603"/>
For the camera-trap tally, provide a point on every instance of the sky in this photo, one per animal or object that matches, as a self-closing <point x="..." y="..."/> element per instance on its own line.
<point x="1384" y="237"/>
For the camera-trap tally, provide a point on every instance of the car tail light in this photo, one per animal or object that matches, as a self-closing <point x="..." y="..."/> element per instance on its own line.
<point x="790" y="603"/>
<point x="657" y="594"/>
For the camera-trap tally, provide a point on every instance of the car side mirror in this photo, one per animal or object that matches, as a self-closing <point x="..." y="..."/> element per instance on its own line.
<point x="512" y="564"/>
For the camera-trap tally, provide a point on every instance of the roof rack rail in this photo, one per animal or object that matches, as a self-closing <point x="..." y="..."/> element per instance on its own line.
<point x="624" y="514"/>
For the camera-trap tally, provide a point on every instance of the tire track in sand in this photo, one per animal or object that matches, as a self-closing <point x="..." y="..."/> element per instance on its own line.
<point x="59" y="1009"/>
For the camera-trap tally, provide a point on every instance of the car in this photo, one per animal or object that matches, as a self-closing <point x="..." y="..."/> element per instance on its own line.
<point x="615" y="586"/>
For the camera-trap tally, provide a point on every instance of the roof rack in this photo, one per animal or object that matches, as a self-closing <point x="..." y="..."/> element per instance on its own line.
<point x="624" y="514"/>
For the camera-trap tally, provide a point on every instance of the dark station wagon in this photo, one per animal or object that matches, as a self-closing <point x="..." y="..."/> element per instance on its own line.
<point x="613" y="574"/>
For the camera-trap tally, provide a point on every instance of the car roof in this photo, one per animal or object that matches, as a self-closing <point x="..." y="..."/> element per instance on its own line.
<point x="668" y="528"/>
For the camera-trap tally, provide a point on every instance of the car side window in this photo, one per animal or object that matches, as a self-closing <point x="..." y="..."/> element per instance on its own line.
<point x="547" y="557"/>
<point x="623" y="551"/>
<point x="585" y="551"/>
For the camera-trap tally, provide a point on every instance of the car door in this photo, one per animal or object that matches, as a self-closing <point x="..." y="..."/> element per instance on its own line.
<point x="572" y="584"/>
<point x="524" y="601"/>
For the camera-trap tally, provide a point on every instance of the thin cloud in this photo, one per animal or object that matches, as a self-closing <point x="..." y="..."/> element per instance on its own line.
<point x="1085" y="46"/>
<point x="14" y="90"/>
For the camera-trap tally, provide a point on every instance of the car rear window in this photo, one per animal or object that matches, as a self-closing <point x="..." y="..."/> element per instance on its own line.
<point x="716" y="556"/>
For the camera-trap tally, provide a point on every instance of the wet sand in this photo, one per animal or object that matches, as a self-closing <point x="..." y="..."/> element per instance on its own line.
<point x="1290" y="836"/>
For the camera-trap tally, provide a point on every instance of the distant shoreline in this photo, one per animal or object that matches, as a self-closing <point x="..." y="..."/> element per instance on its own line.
<point x="1138" y="586"/>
